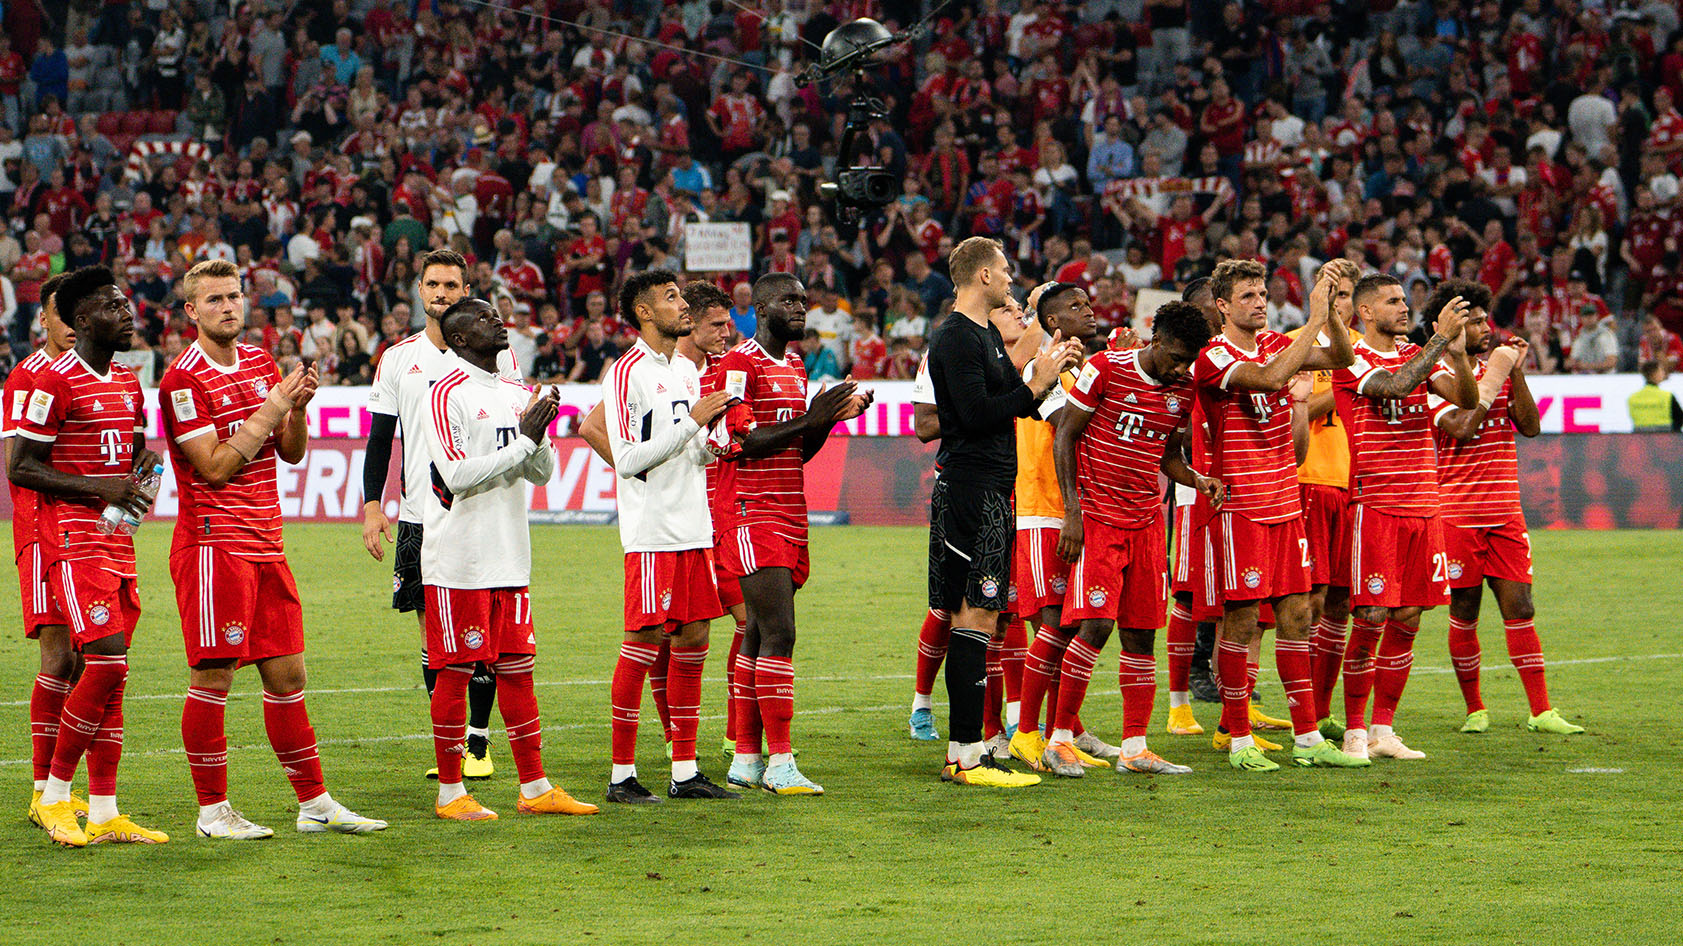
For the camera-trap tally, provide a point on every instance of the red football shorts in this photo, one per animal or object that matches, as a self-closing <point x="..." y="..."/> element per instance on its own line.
<point x="730" y="590"/>
<point x="1326" y="524"/>
<point x="468" y="625"/>
<point x="1260" y="561"/>
<point x="1475" y="554"/>
<point x="1122" y="575"/>
<point x="1195" y="571"/>
<point x="234" y="607"/>
<point x="1397" y="561"/>
<point x="99" y="603"/>
<point x="40" y="605"/>
<point x="1039" y="578"/>
<point x="746" y="549"/>
<point x="664" y="588"/>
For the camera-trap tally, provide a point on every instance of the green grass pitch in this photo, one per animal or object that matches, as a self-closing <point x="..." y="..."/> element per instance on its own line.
<point x="1503" y="838"/>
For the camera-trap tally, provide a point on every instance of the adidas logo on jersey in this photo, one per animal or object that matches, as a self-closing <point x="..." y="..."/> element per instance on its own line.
<point x="414" y="369"/>
<point x="97" y="407"/>
<point x="660" y="388"/>
<point x="1130" y="399"/>
<point x="483" y="415"/>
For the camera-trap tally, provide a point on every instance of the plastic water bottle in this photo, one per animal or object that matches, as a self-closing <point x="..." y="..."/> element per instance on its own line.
<point x="116" y="519"/>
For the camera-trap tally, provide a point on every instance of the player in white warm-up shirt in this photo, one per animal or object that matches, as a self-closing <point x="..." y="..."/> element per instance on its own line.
<point x="486" y="437"/>
<point x="402" y="395"/>
<point x="657" y="420"/>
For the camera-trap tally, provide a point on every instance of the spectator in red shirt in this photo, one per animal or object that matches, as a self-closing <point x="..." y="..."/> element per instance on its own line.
<point x="522" y="276"/>
<point x="868" y="352"/>
<point x="738" y="119"/>
<point x="585" y="260"/>
<point x="1660" y="344"/>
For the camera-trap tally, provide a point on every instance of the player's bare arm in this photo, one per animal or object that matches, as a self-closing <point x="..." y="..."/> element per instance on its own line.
<point x="1398" y="384"/>
<point x="926" y="422"/>
<point x="1176" y="468"/>
<point x="1522" y="407"/>
<point x="1302" y="383"/>
<point x="376" y="458"/>
<point x="30" y="468"/>
<point x="1278" y="371"/>
<point x="219" y="461"/>
<point x="1068" y="427"/>
<point x="1464" y="423"/>
<point x="594" y="430"/>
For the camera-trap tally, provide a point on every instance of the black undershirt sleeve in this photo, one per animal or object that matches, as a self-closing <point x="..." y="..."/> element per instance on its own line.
<point x="378" y="457"/>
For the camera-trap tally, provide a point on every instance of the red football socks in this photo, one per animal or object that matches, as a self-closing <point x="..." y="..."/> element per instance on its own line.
<point x="1182" y="640"/>
<point x="994" y="690"/>
<point x="1292" y="660"/>
<point x="1137" y="676"/>
<point x="449" y="722"/>
<point x="774" y="686"/>
<point x="657" y="687"/>
<point x="1231" y="658"/>
<point x="1075" y="673"/>
<point x="932" y="642"/>
<point x="83" y="719"/>
<point x="1358" y="671"/>
<point x="1395" y="659"/>
<point x="684" y="694"/>
<point x="626" y="694"/>
<point x="1040" y="674"/>
<point x="292" y="737"/>
<point x="206" y="743"/>
<point x="1012" y="654"/>
<point x="730" y="680"/>
<point x="1526" y="652"/>
<point x="748" y="724"/>
<point x="1464" y="653"/>
<point x="519" y="705"/>
<point x="46" y="702"/>
<point x="1326" y="658"/>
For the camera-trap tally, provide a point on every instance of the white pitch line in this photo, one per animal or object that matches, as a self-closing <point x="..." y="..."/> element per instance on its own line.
<point x="1493" y="667"/>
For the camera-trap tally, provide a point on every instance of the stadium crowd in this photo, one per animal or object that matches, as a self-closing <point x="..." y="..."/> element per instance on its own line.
<point x="1124" y="145"/>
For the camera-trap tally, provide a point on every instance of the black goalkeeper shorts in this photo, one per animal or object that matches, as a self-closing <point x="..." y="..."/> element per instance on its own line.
<point x="407" y="592"/>
<point x="970" y="535"/>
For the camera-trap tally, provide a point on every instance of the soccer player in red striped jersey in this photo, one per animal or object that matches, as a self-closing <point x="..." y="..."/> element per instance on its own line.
<point x="230" y="418"/>
<point x="1485" y="537"/>
<point x="43" y="620"/>
<point x="706" y="346"/>
<point x="1397" y="562"/>
<point x="762" y="521"/>
<point x="82" y="439"/>
<point x="1242" y="435"/>
<point x="1124" y="422"/>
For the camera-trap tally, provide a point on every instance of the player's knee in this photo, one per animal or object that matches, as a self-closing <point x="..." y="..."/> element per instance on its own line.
<point x="695" y="634"/>
<point x="777" y="637"/>
<point x="1136" y="640"/>
<point x="1371" y="614"/>
<point x="219" y="678"/>
<point x="1095" y="633"/>
<point x="1291" y="619"/>
<point x="1408" y="616"/>
<point x="1518" y="608"/>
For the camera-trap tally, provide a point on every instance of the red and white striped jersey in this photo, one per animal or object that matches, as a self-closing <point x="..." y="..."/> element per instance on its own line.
<point x="1393" y="462"/>
<point x="1478" y="479"/>
<point x="473" y="515"/>
<point x="92" y="421"/>
<point x="710" y="381"/>
<point x="1119" y="456"/>
<point x="200" y="397"/>
<point x="1243" y="438"/>
<point x="766" y="492"/>
<point x="19" y="385"/>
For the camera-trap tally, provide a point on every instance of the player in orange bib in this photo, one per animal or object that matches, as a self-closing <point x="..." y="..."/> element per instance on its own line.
<point x="1323" y="483"/>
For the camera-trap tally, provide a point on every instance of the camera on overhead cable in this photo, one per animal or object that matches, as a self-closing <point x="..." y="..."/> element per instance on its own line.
<point x="853" y="47"/>
<point x="862" y="188"/>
